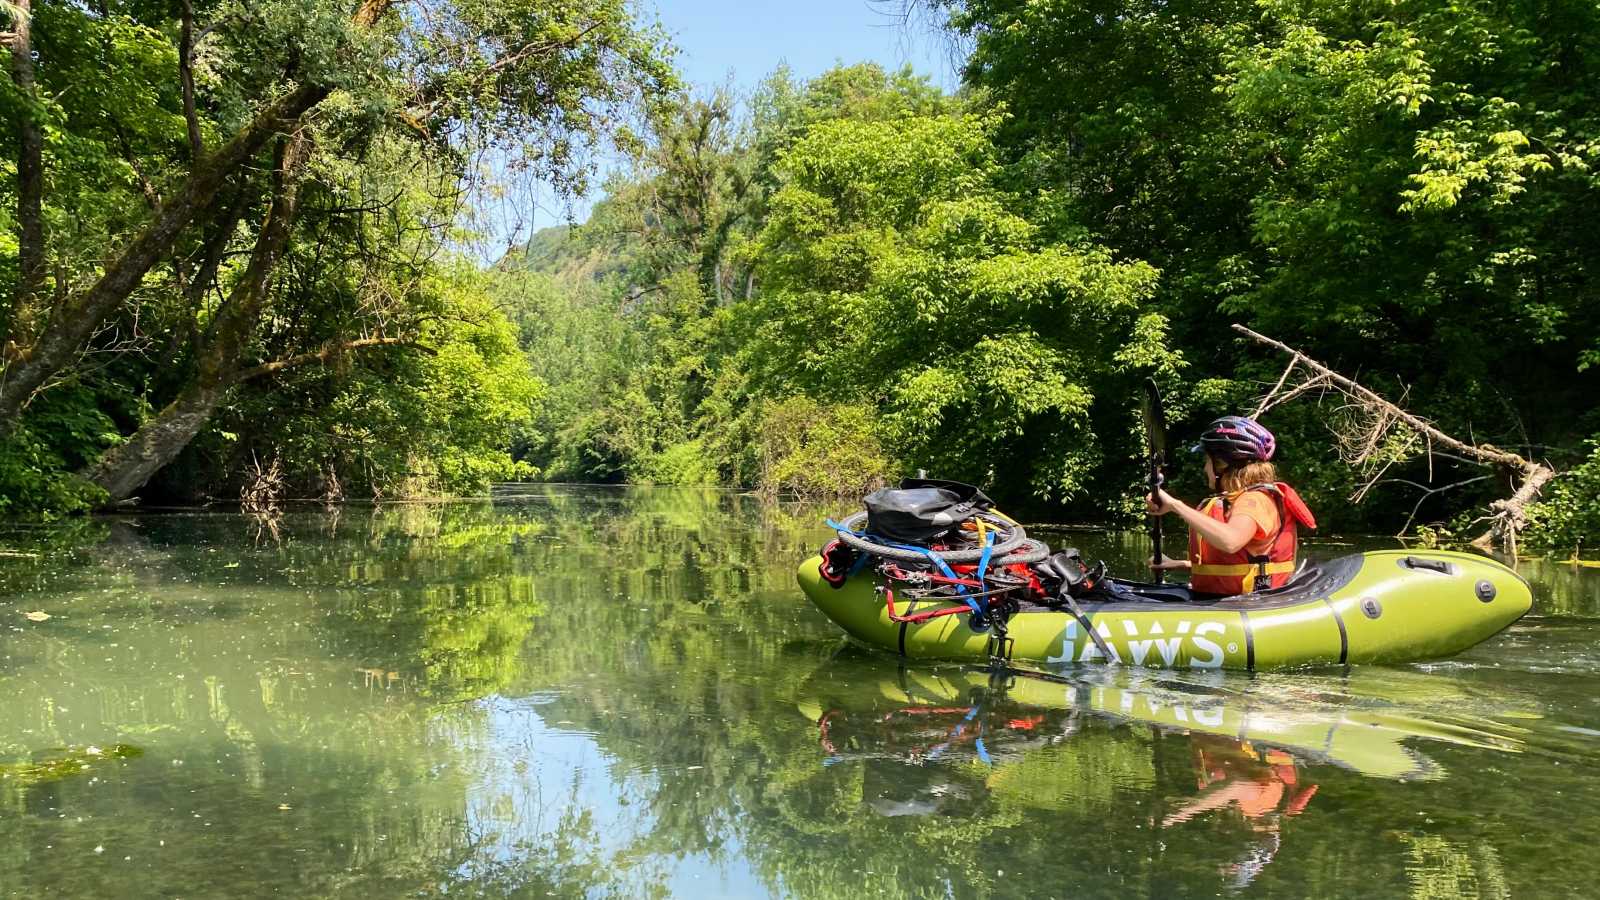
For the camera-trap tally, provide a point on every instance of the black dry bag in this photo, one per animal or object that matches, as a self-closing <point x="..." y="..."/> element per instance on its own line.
<point x="966" y="493"/>
<point x="915" y="515"/>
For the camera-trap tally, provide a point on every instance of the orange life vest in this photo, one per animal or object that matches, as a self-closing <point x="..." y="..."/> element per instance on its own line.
<point x="1216" y="572"/>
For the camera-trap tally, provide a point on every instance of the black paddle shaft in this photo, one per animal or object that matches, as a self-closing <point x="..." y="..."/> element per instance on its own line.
<point x="1155" y="538"/>
<point x="1155" y="428"/>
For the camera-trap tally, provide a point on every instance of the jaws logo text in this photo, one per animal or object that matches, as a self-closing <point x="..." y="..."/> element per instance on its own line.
<point x="1156" y="648"/>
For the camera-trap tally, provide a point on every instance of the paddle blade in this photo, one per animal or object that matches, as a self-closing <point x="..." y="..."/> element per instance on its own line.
<point x="1155" y="419"/>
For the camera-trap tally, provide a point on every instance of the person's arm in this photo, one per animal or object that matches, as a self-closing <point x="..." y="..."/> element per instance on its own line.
<point x="1229" y="537"/>
<point x="1169" y="564"/>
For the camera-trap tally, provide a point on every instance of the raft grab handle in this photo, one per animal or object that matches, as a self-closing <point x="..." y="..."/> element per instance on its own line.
<point x="1423" y="564"/>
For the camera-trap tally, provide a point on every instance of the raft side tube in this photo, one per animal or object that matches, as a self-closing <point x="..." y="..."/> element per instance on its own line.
<point x="1386" y="606"/>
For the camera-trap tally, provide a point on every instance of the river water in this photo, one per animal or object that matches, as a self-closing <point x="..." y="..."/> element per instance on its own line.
<point x="619" y="692"/>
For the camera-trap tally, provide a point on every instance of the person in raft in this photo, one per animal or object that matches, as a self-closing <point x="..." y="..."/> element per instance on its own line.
<point x="1245" y="538"/>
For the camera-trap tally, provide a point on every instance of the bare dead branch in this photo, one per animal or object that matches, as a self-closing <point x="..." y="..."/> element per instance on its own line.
<point x="1378" y="433"/>
<point x="1507" y="517"/>
<point x="1426" y="493"/>
<point x="1485" y="454"/>
<point x="1266" y="402"/>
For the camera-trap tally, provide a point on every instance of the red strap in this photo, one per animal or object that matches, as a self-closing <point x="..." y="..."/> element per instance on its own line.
<point x="1297" y="507"/>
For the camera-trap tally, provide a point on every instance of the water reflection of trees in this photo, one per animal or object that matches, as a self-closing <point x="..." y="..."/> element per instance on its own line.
<point x="898" y="794"/>
<point x="391" y="675"/>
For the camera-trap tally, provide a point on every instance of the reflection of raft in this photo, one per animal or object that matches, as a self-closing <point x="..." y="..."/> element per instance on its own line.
<point x="866" y="711"/>
<point x="1387" y="606"/>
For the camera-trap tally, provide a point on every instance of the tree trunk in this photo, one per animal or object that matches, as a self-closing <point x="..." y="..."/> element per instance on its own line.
<point x="73" y="321"/>
<point x="127" y="467"/>
<point x="213" y="248"/>
<point x="186" y="42"/>
<point x="30" y="175"/>
<point x="72" y="324"/>
<point x="370" y="11"/>
<point x="236" y="319"/>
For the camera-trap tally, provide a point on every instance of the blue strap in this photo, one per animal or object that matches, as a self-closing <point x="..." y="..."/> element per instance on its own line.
<point x="861" y="558"/>
<point x="938" y="751"/>
<point x="937" y="561"/>
<point x="983" y="561"/>
<point x="949" y="573"/>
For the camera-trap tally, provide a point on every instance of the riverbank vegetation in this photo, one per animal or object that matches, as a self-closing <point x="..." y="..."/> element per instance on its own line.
<point x="235" y="253"/>
<point x="974" y="284"/>
<point x="234" y="238"/>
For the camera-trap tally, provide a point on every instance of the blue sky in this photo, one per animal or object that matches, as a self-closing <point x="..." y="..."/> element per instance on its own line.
<point x="750" y="37"/>
<point x="744" y="39"/>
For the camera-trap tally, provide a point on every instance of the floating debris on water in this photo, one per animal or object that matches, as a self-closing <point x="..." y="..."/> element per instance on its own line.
<point x="1576" y="730"/>
<point x="68" y="763"/>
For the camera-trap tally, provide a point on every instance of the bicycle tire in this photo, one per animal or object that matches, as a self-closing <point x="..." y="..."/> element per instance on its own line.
<point x="1016" y="539"/>
<point x="1036" y="551"/>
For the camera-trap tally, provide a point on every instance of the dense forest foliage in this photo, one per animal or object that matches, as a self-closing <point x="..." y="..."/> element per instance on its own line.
<point x="234" y="255"/>
<point x="237" y="251"/>
<point x="837" y="280"/>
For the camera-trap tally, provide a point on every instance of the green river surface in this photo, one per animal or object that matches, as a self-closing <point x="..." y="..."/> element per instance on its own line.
<point x="619" y="692"/>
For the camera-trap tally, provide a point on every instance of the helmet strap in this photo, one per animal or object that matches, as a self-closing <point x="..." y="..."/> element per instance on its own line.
<point x="1218" y="466"/>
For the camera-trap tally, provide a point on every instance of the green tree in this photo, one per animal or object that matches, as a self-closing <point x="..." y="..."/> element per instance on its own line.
<point x="631" y="321"/>
<point x="233" y="191"/>
<point x="896" y="272"/>
<point x="876" y="298"/>
<point x="1399" y="188"/>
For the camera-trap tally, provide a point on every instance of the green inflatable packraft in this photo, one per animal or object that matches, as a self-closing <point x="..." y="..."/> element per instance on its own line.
<point x="1381" y="607"/>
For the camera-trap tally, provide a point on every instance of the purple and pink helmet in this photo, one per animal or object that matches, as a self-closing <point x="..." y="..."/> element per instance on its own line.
<point x="1237" y="439"/>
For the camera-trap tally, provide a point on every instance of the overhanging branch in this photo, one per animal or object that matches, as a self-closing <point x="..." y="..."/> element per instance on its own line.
<point x="329" y="352"/>
<point x="1506" y="517"/>
<point x="1484" y="454"/>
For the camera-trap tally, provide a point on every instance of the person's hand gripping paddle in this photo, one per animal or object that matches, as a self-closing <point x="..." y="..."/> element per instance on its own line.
<point x="1155" y="429"/>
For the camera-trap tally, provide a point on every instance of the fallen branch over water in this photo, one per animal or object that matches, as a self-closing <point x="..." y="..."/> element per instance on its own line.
<point x="1382" y="419"/>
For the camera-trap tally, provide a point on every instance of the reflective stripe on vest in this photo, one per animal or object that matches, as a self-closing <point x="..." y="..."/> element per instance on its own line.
<point x="1271" y="568"/>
